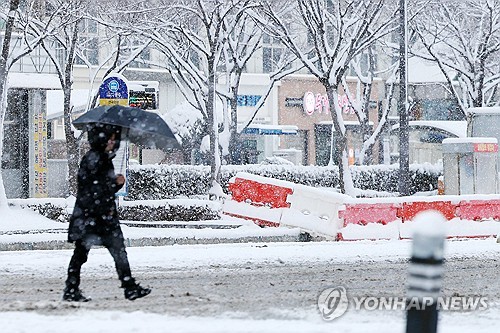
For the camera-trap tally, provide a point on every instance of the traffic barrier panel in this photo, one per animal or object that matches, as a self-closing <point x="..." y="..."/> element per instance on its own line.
<point x="314" y="210"/>
<point x="364" y="213"/>
<point x="457" y="228"/>
<point x="370" y="231"/>
<point x="410" y="209"/>
<point x="271" y="202"/>
<point x="257" y="198"/>
<point x="260" y="191"/>
<point x="241" y="189"/>
<point x="262" y="216"/>
<point x="478" y="210"/>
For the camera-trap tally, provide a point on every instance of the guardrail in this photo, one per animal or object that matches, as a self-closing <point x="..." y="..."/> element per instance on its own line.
<point x="271" y="202"/>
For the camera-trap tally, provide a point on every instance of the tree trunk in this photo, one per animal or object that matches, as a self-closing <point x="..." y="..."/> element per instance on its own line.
<point x="234" y="141"/>
<point x="9" y="27"/>
<point x="366" y="129"/>
<point x="71" y="145"/>
<point x="340" y="140"/>
<point x="213" y="126"/>
<point x="366" y="132"/>
<point x="71" y="142"/>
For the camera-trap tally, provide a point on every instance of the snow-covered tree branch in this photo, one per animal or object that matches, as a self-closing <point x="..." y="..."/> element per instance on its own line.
<point x="326" y="37"/>
<point x="463" y="39"/>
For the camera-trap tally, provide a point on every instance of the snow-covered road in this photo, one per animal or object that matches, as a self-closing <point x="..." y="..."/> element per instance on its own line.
<point x="240" y="287"/>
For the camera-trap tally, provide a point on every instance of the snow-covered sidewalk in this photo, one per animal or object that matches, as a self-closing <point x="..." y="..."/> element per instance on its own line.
<point x="22" y="229"/>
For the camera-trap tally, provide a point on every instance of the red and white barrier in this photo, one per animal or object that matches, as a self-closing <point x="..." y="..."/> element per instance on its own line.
<point x="314" y="210"/>
<point x="257" y="198"/>
<point x="370" y="219"/>
<point x="271" y="202"/>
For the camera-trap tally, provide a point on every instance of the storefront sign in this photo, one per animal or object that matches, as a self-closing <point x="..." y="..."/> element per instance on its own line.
<point x="485" y="147"/>
<point x="248" y="100"/>
<point x="320" y="103"/>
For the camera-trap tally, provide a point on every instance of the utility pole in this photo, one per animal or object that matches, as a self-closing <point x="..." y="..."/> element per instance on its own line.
<point x="404" y="153"/>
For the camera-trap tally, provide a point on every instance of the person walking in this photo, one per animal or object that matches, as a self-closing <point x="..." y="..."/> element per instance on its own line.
<point x="95" y="220"/>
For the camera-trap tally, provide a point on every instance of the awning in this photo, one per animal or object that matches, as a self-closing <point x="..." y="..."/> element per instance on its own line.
<point x="33" y="81"/>
<point x="457" y="128"/>
<point x="260" y="129"/>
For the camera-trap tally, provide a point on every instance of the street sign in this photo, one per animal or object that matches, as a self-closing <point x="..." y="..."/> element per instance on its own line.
<point x="114" y="91"/>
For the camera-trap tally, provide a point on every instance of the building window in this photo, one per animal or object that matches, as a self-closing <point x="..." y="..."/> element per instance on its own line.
<point x="87" y="27"/>
<point x="271" y="53"/>
<point x="323" y="142"/>
<point x="441" y="109"/>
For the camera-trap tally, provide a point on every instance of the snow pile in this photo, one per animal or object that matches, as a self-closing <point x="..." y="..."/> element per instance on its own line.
<point x="13" y="219"/>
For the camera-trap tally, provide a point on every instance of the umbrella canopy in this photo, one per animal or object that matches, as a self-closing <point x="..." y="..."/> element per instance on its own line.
<point x="143" y="128"/>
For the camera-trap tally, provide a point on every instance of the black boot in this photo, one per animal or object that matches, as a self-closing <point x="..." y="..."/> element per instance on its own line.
<point x="74" y="294"/>
<point x="134" y="290"/>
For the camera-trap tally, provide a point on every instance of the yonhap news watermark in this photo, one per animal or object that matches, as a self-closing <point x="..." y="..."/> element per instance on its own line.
<point x="334" y="302"/>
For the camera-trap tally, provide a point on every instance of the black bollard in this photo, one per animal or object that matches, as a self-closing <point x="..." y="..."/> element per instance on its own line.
<point x="425" y="273"/>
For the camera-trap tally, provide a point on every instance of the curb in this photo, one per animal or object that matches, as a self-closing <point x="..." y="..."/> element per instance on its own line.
<point x="159" y="241"/>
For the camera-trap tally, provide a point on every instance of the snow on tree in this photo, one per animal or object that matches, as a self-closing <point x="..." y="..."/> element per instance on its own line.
<point x="360" y="103"/>
<point x="243" y="40"/>
<point x="192" y="41"/>
<point x="326" y="36"/>
<point x="187" y="124"/>
<point x="81" y="42"/>
<point x="463" y="38"/>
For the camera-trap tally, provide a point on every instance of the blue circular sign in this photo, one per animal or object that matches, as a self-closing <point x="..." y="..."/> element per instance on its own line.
<point x="113" y="86"/>
<point x="113" y="90"/>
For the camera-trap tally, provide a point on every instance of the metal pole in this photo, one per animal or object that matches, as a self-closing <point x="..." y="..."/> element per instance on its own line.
<point x="404" y="158"/>
<point x="425" y="273"/>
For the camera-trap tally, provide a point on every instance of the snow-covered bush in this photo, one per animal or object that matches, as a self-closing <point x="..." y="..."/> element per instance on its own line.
<point x="58" y="209"/>
<point x="155" y="182"/>
<point x="385" y="178"/>
<point x="168" y="211"/>
<point x="54" y="209"/>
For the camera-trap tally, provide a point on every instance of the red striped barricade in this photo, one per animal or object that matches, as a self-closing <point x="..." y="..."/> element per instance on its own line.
<point x="410" y="209"/>
<point x="478" y="210"/>
<point x="257" y="198"/>
<point x="463" y="215"/>
<point x="366" y="219"/>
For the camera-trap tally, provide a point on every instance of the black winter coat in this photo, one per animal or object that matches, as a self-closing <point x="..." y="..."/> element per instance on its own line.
<point x="95" y="208"/>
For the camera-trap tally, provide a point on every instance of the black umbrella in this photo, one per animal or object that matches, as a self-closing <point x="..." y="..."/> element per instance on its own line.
<point x="146" y="129"/>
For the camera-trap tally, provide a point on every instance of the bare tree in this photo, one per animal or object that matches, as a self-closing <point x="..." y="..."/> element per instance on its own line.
<point x="463" y="39"/>
<point x="243" y="40"/>
<point x="326" y="36"/>
<point x="80" y="41"/>
<point x="361" y="103"/>
<point x="192" y="41"/>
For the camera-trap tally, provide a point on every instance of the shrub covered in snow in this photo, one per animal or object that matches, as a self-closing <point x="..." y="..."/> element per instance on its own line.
<point x="155" y="182"/>
<point x="160" y="210"/>
<point x="54" y="209"/>
<point x="185" y="210"/>
<point x="423" y="177"/>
